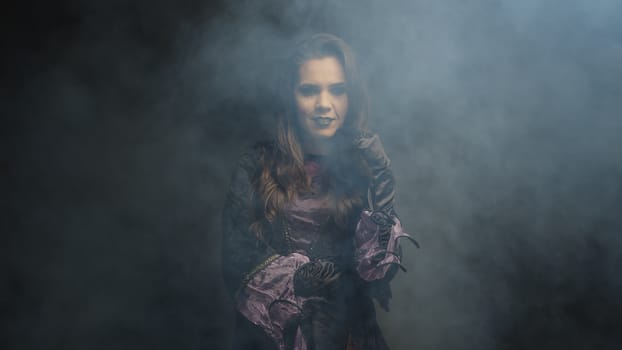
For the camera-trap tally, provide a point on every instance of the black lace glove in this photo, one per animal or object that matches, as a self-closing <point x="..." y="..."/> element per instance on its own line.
<point x="316" y="278"/>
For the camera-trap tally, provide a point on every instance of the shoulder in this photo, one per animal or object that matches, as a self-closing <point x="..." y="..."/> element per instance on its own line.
<point x="253" y="156"/>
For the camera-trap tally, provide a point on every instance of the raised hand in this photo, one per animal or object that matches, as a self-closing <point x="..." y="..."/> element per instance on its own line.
<point x="371" y="149"/>
<point x="382" y="180"/>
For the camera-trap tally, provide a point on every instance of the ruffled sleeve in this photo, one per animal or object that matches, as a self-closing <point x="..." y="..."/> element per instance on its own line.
<point x="268" y="300"/>
<point x="258" y="278"/>
<point x="377" y="245"/>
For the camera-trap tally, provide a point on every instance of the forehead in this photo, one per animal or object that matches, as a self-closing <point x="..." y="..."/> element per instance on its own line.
<point x="325" y="70"/>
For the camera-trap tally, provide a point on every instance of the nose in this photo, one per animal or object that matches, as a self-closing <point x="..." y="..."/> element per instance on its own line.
<point x="323" y="103"/>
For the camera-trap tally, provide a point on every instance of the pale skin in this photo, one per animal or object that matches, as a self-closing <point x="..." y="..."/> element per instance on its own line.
<point x="321" y="101"/>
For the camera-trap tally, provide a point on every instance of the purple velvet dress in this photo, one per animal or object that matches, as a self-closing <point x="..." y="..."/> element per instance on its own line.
<point x="266" y="296"/>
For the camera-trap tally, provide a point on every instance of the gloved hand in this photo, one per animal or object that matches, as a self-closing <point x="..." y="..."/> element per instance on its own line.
<point x="382" y="180"/>
<point x="371" y="148"/>
<point x="316" y="278"/>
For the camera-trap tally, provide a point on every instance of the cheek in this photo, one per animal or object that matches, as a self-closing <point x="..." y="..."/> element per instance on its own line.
<point x="343" y="107"/>
<point x="304" y="106"/>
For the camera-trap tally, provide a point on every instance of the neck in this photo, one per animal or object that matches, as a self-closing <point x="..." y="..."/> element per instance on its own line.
<point x="317" y="147"/>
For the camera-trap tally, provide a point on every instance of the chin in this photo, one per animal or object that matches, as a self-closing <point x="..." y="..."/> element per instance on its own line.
<point x="325" y="134"/>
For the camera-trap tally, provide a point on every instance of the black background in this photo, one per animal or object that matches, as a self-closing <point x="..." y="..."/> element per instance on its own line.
<point x="123" y="121"/>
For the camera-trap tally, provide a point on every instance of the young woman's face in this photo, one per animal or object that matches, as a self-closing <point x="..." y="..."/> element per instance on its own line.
<point x="321" y="97"/>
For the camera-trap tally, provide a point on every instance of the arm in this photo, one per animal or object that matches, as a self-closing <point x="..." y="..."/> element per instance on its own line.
<point x="379" y="229"/>
<point x="269" y="289"/>
<point x="258" y="279"/>
<point x="242" y="251"/>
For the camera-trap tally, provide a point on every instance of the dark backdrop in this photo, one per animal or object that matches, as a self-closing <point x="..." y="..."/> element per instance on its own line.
<point x="123" y="120"/>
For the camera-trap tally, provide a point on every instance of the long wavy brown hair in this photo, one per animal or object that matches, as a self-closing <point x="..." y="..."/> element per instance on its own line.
<point x="282" y="175"/>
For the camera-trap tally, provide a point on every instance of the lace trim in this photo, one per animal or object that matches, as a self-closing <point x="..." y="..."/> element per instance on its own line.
<point x="256" y="269"/>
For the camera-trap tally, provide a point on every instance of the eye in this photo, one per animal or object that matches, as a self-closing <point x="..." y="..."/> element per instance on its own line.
<point x="308" y="90"/>
<point x="338" y="90"/>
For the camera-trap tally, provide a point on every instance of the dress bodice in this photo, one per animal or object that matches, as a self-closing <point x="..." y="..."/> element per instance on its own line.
<point x="306" y="217"/>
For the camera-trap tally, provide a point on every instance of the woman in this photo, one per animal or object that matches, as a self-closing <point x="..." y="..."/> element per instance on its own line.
<point x="310" y="234"/>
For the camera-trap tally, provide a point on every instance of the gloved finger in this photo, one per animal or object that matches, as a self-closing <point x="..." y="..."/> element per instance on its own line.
<point x="334" y="277"/>
<point x="327" y="269"/>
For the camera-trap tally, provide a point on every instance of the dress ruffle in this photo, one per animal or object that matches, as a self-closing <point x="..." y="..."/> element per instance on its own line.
<point x="373" y="259"/>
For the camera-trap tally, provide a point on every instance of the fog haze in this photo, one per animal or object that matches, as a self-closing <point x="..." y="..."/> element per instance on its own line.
<point x="124" y="123"/>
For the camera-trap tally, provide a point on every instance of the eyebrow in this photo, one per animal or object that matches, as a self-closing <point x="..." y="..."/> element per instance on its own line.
<point x="330" y="85"/>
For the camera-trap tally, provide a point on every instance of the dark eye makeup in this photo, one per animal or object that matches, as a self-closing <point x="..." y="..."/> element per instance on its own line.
<point x="310" y="89"/>
<point x="338" y="89"/>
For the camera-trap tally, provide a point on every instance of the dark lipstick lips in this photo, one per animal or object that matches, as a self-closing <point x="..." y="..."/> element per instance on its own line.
<point x="322" y="121"/>
<point x="319" y="117"/>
